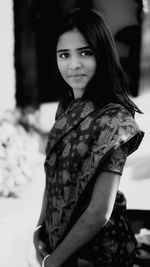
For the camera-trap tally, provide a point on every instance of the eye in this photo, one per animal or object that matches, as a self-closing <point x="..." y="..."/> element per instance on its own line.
<point x="87" y="53"/>
<point x="63" y="55"/>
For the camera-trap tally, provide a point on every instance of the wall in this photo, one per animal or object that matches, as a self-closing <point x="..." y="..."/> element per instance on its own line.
<point x="118" y="13"/>
<point x="124" y="18"/>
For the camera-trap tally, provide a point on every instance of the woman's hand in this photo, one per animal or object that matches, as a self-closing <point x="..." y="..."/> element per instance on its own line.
<point x="40" y="246"/>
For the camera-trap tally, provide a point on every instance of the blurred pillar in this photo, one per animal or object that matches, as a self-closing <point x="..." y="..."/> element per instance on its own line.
<point x="25" y="23"/>
<point x="7" y="76"/>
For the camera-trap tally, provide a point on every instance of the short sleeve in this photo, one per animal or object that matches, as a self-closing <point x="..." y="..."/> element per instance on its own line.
<point x="117" y="136"/>
<point x="116" y="160"/>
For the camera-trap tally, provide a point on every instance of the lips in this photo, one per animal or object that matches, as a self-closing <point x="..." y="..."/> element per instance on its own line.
<point x="77" y="76"/>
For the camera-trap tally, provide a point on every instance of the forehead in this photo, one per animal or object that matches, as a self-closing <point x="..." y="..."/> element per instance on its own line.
<point x="72" y="39"/>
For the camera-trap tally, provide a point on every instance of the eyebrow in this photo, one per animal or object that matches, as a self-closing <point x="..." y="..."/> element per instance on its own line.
<point x="78" y="49"/>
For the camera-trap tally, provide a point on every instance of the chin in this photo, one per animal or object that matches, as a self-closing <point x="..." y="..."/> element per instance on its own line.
<point x="78" y="86"/>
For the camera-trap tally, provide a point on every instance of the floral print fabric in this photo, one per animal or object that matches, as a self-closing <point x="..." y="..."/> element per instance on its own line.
<point x="80" y="143"/>
<point x="116" y="161"/>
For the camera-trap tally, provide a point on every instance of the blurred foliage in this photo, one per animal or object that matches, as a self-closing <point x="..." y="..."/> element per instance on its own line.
<point x="19" y="150"/>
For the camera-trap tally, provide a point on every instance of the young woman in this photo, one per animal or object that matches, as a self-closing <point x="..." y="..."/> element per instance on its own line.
<point x="83" y="221"/>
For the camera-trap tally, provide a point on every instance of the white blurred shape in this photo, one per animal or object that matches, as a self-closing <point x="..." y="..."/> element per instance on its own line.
<point x="7" y="73"/>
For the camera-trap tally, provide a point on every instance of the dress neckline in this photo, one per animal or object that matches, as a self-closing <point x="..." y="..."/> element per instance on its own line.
<point x="73" y="104"/>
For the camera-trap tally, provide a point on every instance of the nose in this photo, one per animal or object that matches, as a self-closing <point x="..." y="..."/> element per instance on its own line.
<point x="75" y="63"/>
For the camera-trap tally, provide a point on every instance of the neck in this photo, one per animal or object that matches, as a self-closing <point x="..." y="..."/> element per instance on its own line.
<point x="78" y="93"/>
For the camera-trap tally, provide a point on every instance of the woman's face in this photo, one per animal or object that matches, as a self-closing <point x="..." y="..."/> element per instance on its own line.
<point x="76" y="61"/>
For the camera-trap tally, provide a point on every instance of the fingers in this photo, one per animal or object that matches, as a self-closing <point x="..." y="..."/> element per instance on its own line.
<point x="42" y="249"/>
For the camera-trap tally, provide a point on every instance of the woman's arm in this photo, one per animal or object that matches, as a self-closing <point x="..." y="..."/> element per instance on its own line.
<point x="39" y="245"/>
<point x="43" y="209"/>
<point x="91" y="221"/>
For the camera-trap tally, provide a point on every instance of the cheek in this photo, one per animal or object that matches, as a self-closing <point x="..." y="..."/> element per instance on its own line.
<point x="92" y="68"/>
<point x="62" y="68"/>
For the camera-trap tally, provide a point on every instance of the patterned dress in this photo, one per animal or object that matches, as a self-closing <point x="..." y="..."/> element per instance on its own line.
<point x="84" y="141"/>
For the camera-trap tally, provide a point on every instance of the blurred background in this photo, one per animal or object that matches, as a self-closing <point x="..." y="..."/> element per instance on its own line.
<point x="28" y="103"/>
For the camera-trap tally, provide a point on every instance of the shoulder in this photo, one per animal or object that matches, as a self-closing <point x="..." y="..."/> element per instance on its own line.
<point x="112" y="109"/>
<point x="116" y="122"/>
<point x="114" y="114"/>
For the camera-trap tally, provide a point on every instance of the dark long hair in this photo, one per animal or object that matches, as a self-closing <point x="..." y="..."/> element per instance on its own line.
<point x="109" y="83"/>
